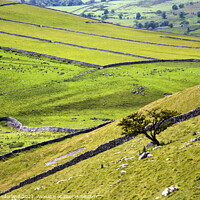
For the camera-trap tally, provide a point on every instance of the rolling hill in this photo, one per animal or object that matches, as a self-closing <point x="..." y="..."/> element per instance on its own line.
<point x="170" y="162"/>
<point x="63" y="70"/>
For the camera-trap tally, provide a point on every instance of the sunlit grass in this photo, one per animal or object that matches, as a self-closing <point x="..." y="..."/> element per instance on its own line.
<point x="169" y="165"/>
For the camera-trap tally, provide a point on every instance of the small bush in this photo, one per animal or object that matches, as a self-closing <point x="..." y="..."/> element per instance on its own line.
<point x="194" y="133"/>
<point x="15" y="145"/>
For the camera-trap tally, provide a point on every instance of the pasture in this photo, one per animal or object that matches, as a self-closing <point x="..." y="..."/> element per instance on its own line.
<point x="44" y="91"/>
<point x="150" y="11"/>
<point x="168" y="156"/>
<point x="69" y="95"/>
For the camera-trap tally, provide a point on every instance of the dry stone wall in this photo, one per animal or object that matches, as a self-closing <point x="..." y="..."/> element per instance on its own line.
<point x="49" y="56"/>
<point x="149" y="61"/>
<point x="102" y="148"/>
<point x="16" y="124"/>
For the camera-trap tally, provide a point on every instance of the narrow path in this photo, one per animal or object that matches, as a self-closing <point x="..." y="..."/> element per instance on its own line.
<point x="102" y="148"/>
<point x="79" y="46"/>
<point x="110" y="37"/>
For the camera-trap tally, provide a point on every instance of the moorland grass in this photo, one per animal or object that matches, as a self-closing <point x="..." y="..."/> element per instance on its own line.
<point x="147" y="178"/>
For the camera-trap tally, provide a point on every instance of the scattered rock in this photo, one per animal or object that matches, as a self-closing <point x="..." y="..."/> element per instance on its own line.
<point x="149" y="155"/>
<point x="150" y="144"/>
<point x="156" y="147"/>
<point x="123" y="172"/>
<point x="4" y="93"/>
<point x="117" y="153"/>
<point x="123" y="166"/>
<point x="169" y="190"/>
<point x="185" y="146"/>
<point x="70" y="178"/>
<point x="195" y="139"/>
<point x="125" y="158"/>
<point x="60" y="181"/>
<point x="140" y="90"/>
<point x="145" y="155"/>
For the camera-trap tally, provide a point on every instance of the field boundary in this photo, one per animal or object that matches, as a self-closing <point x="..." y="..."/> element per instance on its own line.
<point x="110" y="37"/>
<point x="8" y="4"/>
<point x="49" y="56"/>
<point x="16" y="124"/>
<point x="149" y="61"/>
<point x="99" y="67"/>
<point x="102" y="148"/>
<point x="75" y="45"/>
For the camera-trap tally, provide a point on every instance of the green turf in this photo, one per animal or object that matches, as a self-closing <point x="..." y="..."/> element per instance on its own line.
<point x="27" y="13"/>
<point x="169" y="165"/>
<point x="65" y="51"/>
<point x="59" y="98"/>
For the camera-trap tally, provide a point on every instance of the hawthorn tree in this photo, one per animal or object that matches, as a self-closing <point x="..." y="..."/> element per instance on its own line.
<point x="150" y="124"/>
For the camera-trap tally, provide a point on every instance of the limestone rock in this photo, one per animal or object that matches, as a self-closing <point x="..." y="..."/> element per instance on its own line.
<point x="195" y="139"/>
<point x="169" y="190"/>
<point x="145" y="155"/>
<point x="150" y="144"/>
<point x="123" y="172"/>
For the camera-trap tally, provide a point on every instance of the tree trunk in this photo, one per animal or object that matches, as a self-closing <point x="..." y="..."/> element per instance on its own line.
<point x="156" y="141"/>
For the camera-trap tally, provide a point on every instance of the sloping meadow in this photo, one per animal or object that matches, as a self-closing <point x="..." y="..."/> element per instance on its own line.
<point x="102" y="177"/>
<point x="68" y="36"/>
<point x="48" y="92"/>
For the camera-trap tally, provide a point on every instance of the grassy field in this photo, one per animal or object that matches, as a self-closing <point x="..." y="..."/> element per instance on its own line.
<point x="5" y="1"/>
<point x="88" y="55"/>
<point x="169" y="165"/>
<point x="64" y="51"/>
<point x="39" y="91"/>
<point x="57" y="96"/>
<point x="32" y="14"/>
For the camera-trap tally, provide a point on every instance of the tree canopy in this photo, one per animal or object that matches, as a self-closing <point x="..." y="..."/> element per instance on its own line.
<point x="150" y="124"/>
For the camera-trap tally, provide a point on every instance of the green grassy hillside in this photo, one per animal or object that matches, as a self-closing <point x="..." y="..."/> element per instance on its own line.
<point x="42" y="91"/>
<point x="144" y="179"/>
<point x="91" y="48"/>
<point x="5" y="1"/>
<point x="56" y="96"/>
<point x="125" y="12"/>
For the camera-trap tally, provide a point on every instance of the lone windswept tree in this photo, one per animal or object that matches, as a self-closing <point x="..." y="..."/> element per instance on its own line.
<point x="150" y="124"/>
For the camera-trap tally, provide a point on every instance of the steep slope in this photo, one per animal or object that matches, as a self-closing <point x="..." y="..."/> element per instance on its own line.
<point x="100" y="176"/>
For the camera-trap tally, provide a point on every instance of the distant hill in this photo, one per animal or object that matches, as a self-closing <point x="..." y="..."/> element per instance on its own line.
<point x="175" y="16"/>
